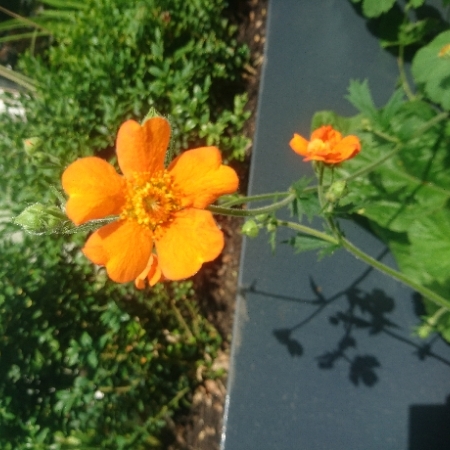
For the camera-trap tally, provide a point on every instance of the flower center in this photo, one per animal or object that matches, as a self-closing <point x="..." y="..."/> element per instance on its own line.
<point x="151" y="199"/>
<point x="317" y="146"/>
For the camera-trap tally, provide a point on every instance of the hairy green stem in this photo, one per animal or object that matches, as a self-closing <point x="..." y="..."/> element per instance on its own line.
<point x="251" y="212"/>
<point x="308" y="230"/>
<point x="254" y="198"/>
<point x="321" y="169"/>
<point x="433" y="320"/>
<point x="404" y="80"/>
<point x="359" y="254"/>
<point x="428" y="293"/>
<point x="374" y="165"/>
<point x="369" y="168"/>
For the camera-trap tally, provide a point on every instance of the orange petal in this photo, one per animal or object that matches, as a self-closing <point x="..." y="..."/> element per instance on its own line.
<point x="349" y="147"/>
<point x="191" y="239"/>
<point x="94" y="250"/>
<point x="142" y="148"/>
<point x="201" y="176"/>
<point x="124" y="247"/>
<point x="95" y="190"/>
<point x="327" y="133"/>
<point x="152" y="272"/>
<point x="299" y="144"/>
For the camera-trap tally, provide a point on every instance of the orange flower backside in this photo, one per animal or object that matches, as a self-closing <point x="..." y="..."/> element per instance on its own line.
<point x="163" y="230"/>
<point x="326" y="145"/>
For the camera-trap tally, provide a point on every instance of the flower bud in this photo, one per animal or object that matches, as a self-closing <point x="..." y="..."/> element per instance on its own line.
<point x="337" y="191"/>
<point x="271" y="226"/>
<point x="41" y="219"/>
<point x="262" y="217"/>
<point x="31" y="145"/>
<point x="250" y="228"/>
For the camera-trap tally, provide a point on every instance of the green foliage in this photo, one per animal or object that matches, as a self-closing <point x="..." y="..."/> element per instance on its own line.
<point x="400" y="182"/>
<point x="374" y="8"/>
<point x="114" y="60"/>
<point x="306" y="202"/>
<point x="404" y="25"/>
<point x="435" y="83"/>
<point x="304" y="243"/>
<point x="85" y="361"/>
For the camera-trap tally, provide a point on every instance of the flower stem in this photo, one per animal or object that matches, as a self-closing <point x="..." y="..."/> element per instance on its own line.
<point x="374" y="165"/>
<point x="251" y="212"/>
<point x="254" y="198"/>
<point x="359" y="254"/>
<point x="397" y="148"/>
<point x="428" y="293"/>
<point x="308" y="230"/>
<point x="401" y="68"/>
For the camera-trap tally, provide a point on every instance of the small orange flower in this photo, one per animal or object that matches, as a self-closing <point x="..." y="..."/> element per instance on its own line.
<point x="156" y="207"/>
<point x="326" y="145"/>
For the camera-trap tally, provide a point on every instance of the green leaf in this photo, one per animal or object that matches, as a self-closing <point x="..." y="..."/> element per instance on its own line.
<point x="300" y="185"/>
<point x="416" y="3"/>
<point x="360" y="97"/>
<point x="389" y="111"/>
<point x="340" y="123"/>
<point x="410" y="184"/>
<point x="427" y="259"/>
<point x="431" y="69"/>
<point x="374" y="8"/>
<point x="306" y="204"/>
<point x="303" y="243"/>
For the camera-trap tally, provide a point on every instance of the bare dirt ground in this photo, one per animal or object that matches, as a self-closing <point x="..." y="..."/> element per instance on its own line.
<point x="216" y="284"/>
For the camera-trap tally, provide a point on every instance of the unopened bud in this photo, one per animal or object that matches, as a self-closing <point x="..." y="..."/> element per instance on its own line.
<point x="337" y="191"/>
<point x="250" y="228"/>
<point x="262" y="217"/>
<point x="41" y="219"/>
<point x="31" y="145"/>
<point x="271" y="226"/>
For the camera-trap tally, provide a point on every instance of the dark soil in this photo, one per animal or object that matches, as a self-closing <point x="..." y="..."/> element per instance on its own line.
<point x="216" y="283"/>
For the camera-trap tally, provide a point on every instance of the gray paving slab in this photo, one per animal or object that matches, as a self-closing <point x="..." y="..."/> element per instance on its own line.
<point x="289" y="387"/>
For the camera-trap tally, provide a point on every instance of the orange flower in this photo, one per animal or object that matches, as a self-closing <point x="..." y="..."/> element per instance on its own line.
<point x="156" y="207"/>
<point x="326" y="145"/>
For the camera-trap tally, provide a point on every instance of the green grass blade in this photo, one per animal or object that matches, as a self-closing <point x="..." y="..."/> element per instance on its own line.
<point x="65" y="4"/>
<point x="18" y="78"/>
<point x="30" y="35"/>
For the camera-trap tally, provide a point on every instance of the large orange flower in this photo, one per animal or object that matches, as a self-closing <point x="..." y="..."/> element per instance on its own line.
<point x="326" y="145"/>
<point x="162" y="229"/>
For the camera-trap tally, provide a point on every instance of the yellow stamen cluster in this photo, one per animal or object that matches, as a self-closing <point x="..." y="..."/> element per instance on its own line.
<point x="318" y="146"/>
<point x="151" y="199"/>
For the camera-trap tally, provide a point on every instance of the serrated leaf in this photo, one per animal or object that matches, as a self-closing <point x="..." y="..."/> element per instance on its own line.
<point x="360" y="97"/>
<point x="392" y="106"/>
<point x="413" y="183"/>
<point x="307" y="204"/>
<point x="300" y="185"/>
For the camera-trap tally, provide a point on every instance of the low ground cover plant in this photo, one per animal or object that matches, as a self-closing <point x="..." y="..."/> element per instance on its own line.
<point x="87" y="363"/>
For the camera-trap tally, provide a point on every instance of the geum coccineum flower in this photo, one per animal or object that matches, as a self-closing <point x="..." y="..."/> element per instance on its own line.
<point x="163" y="230"/>
<point x="327" y="145"/>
